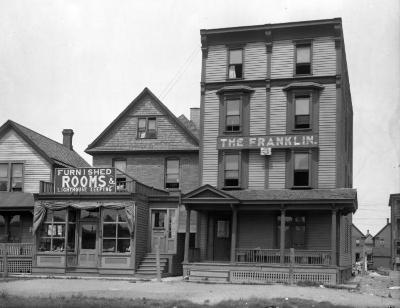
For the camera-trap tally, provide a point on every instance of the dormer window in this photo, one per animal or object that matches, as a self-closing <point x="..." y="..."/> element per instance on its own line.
<point x="303" y="59"/>
<point x="147" y="128"/>
<point x="235" y="69"/>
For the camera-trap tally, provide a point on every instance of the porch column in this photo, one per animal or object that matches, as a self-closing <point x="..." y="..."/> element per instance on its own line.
<point x="187" y="237"/>
<point x="282" y="243"/>
<point x="333" y="237"/>
<point x="7" y="220"/>
<point x="234" y="232"/>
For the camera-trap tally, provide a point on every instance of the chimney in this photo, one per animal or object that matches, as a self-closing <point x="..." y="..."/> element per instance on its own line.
<point x="387" y="221"/>
<point x="195" y="116"/>
<point x="67" y="138"/>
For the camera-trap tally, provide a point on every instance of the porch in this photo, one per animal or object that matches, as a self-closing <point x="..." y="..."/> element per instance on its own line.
<point x="16" y="258"/>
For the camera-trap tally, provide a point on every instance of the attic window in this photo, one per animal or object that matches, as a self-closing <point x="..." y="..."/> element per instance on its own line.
<point x="147" y="128"/>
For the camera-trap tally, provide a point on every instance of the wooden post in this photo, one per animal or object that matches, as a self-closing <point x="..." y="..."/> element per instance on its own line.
<point x="282" y="243"/>
<point x="291" y="265"/>
<point x="333" y="238"/>
<point x="234" y="232"/>
<point x="5" y="262"/>
<point x="158" y="270"/>
<point x="187" y="237"/>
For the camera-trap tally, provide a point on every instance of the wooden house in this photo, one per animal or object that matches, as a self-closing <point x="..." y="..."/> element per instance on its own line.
<point x="394" y="203"/>
<point x="357" y="244"/>
<point x="26" y="159"/>
<point x="276" y="198"/>
<point x="381" y="257"/>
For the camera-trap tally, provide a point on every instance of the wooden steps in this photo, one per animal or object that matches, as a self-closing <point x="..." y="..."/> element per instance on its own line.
<point x="147" y="268"/>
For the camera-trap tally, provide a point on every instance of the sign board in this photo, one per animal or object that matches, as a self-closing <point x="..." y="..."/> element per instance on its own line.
<point x="265" y="151"/>
<point x="84" y="180"/>
<point x="268" y="141"/>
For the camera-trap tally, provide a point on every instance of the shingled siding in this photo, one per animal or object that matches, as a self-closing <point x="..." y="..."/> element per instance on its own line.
<point x="170" y="136"/>
<point x="278" y="105"/>
<point x="216" y="63"/>
<point x="150" y="168"/>
<point x="258" y="112"/>
<point x="324" y="56"/>
<point x="255" y="61"/>
<point x="36" y="168"/>
<point x="327" y="138"/>
<point x="210" y="133"/>
<point x="256" y="230"/>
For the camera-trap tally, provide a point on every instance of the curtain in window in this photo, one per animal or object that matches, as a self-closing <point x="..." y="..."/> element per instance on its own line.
<point x="41" y="208"/>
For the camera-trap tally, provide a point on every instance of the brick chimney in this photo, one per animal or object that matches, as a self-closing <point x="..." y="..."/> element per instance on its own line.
<point x="67" y="138"/>
<point x="195" y="116"/>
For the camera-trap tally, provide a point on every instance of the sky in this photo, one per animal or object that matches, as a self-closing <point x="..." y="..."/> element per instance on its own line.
<point x="78" y="64"/>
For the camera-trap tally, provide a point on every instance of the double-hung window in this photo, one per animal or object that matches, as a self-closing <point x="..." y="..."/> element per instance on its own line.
<point x="172" y="173"/>
<point x="11" y="176"/>
<point x="120" y="164"/>
<point x="116" y="235"/>
<point x="147" y="128"/>
<point x="231" y="170"/>
<point x="235" y="69"/>
<point x="303" y="59"/>
<point x="302" y="112"/>
<point x="301" y="172"/>
<point x="232" y="117"/>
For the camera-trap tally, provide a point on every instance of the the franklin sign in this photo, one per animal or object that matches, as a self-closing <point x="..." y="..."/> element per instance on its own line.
<point x="84" y="180"/>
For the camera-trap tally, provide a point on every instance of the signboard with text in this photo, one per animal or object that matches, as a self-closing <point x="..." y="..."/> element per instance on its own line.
<point x="84" y="180"/>
<point x="268" y="141"/>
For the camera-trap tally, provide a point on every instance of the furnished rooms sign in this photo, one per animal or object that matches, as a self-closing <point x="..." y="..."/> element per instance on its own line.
<point x="269" y="141"/>
<point x="84" y="180"/>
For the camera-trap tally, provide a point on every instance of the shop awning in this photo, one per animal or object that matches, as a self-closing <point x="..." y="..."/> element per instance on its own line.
<point x="15" y="200"/>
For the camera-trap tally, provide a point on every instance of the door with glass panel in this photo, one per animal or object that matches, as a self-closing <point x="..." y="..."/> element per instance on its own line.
<point x="88" y="233"/>
<point x="164" y="224"/>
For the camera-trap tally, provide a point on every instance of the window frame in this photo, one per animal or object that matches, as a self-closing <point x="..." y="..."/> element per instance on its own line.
<point x="311" y="168"/>
<point x="148" y="135"/>
<point x="302" y="43"/>
<point x="51" y="236"/>
<point x="120" y="178"/>
<point x="10" y="177"/>
<point x="310" y="117"/>
<point x="226" y="99"/>
<point x="116" y="238"/>
<point x="233" y="48"/>
<point x="239" y="155"/>
<point x="166" y="173"/>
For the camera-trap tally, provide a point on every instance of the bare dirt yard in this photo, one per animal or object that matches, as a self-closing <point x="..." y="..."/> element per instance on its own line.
<point x="373" y="290"/>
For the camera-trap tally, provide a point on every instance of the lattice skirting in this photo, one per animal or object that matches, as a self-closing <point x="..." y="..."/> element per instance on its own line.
<point x="17" y="266"/>
<point x="282" y="277"/>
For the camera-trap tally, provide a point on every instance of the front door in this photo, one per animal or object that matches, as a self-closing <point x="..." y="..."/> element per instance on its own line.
<point x="163" y="230"/>
<point x="88" y="244"/>
<point x="222" y="238"/>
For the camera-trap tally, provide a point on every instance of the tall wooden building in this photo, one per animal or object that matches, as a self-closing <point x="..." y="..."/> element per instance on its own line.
<point x="275" y="155"/>
<point x="394" y="203"/>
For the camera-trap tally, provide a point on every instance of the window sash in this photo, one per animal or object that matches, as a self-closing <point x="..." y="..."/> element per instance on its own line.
<point x="303" y="54"/>
<point x="236" y="56"/>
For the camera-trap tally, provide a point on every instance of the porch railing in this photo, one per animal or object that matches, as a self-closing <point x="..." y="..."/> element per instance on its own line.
<point x="272" y="256"/>
<point x="16" y="258"/>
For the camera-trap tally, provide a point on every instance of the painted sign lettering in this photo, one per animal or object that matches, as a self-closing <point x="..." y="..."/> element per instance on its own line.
<point x="84" y="180"/>
<point x="269" y="141"/>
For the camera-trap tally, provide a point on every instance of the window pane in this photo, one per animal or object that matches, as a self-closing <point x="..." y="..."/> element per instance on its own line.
<point x="109" y="215"/>
<point x="302" y="105"/>
<point x="142" y="124"/>
<point x="109" y="245"/>
<point x="88" y="236"/>
<point x="109" y="230"/>
<point x="16" y="170"/>
<point x="59" y="230"/>
<point x="89" y="214"/>
<point x="59" y="216"/>
<point x="301" y="178"/>
<point x="301" y="161"/>
<point x="58" y="244"/>
<point x="120" y="165"/>
<point x="172" y="166"/>
<point x="231" y="162"/>
<point x="159" y="219"/>
<point x="233" y="120"/>
<point x="3" y="170"/>
<point x="124" y="245"/>
<point x="123" y="230"/>
<point x="303" y="54"/>
<point x="231" y="174"/>
<point x="122" y="216"/>
<point x="235" y="56"/>
<point x="152" y="124"/>
<point x="44" y="244"/>
<point x="233" y="107"/>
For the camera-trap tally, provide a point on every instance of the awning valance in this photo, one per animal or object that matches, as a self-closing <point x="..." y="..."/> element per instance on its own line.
<point x="41" y="207"/>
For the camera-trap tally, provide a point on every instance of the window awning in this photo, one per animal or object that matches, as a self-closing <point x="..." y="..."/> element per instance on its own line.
<point x="15" y="200"/>
<point x="41" y="207"/>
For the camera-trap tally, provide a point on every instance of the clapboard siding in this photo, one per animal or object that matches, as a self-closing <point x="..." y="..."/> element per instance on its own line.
<point x="210" y="133"/>
<point x="327" y="138"/>
<point x="216" y="63"/>
<point x="324" y="56"/>
<point x="318" y="231"/>
<point x="345" y="240"/>
<point x="277" y="169"/>
<point x="255" y="61"/>
<point x="278" y="105"/>
<point x="256" y="170"/>
<point x="282" y="59"/>
<point x="141" y="231"/>
<point x="36" y="168"/>
<point x="256" y="230"/>
<point x="258" y="113"/>
<point x="203" y="235"/>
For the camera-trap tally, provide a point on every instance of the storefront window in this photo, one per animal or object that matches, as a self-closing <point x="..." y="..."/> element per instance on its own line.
<point x="52" y="235"/>
<point x="116" y="236"/>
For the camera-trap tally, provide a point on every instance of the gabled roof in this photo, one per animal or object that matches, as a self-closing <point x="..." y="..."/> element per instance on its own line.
<point x="52" y="151"/>
<point x="145" y="92"/>
<point x="208" y="192"/>
<point x="381" y="230"/>
<point x="354" y="226"/>
<point x="189" y="124"/>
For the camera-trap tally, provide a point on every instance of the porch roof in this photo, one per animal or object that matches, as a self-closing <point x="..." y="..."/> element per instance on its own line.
<point x="15" y="200"/>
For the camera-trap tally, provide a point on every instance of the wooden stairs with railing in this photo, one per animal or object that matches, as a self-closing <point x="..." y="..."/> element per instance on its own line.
<point x="148" y="266"/>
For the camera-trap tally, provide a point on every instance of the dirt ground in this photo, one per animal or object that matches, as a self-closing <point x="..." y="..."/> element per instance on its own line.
<point x="373" y="290"/>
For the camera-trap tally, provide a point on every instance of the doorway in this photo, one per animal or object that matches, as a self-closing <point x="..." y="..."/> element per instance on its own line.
<point x="222" y="238"/>
<point x="164" y="225"/>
